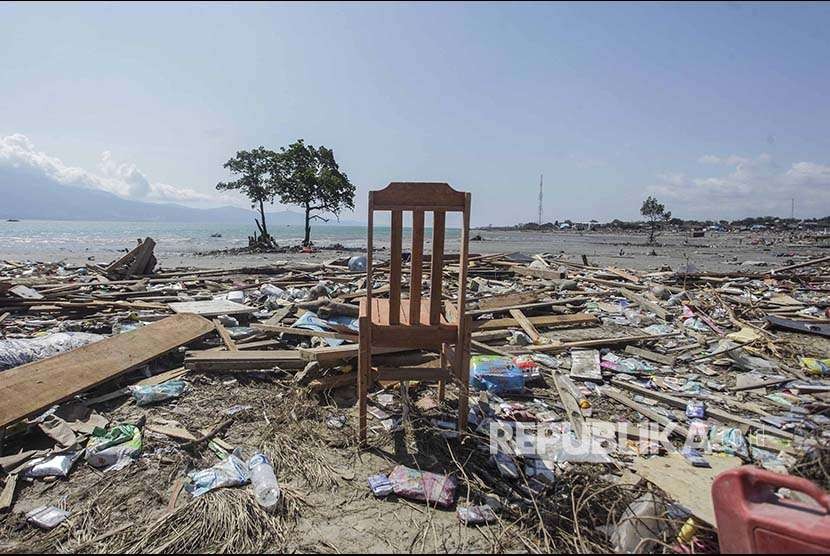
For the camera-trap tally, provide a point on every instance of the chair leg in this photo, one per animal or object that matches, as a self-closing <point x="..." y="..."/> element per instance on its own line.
<point x="463" y="372"/>
<point x="364" y="371"/>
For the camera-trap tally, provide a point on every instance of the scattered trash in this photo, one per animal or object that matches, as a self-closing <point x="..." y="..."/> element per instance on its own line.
<point x="266" y="489"/>
<point x="146" y="395"/>
<point x="227" y="473"/>
<point x="115" y="448"/>
<point x="423" y="485"/>
<point x="47" y="517"/>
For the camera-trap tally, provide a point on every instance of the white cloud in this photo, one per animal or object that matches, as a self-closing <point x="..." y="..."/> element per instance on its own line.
<point x="753" y="187"/>
<point x="122" y="179"/>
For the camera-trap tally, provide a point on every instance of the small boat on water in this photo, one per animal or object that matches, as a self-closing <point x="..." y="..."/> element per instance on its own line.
<point x="12" y="220"/>
<point x="215" y="235"/>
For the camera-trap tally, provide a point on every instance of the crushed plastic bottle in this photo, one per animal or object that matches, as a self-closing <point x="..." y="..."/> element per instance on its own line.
<point x="266" y="489"/>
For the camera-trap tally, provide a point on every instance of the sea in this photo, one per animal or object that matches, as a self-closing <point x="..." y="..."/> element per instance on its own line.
<point x="29" y="239"/>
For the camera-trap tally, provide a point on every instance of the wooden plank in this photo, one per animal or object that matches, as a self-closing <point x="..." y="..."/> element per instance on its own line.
<point x="623" y="274"/>
<point x="7" y="496"/>
<point x="437" y="271"/>
<point x="396" y="238"/>
<point x="647" y="412"/>
<point x="507" y="301"/>
<point x="212" y="308"/>
<point x="600" y="342"/>
<point x="484" y="348"/>
<point x="242" y="360"/>
<point x="644" y="303"/>
<point x="713" y="412"/>
<point x="800" y="265"/>
<point x="541" y="321"/>
<point x="397" y="374"/>
<point x="526" y="325"/>
<point x="525" y="306"/>
<point x="226" y="338"/>
<point x="691" y="486"/>
<point x="173" y="430"/>
<point x="25" y="292"/>
<point x="33" y="387"/>
<point x="650" y="355"/>
<point x="417" y="262"/>
<point x="280" y="329"/>
<point x="541" y="273"/>
<point x="337" y="354"/>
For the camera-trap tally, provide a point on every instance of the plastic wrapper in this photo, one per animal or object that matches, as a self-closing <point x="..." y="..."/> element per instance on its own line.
<point x="115" y="448"/>
<point x="380" y="485"/>
<point x="817" y="367"/>
<point x="15" y="352"/>
<point x="47" y="517"/>
<point x="475" y="515"/>
<point x="729" y="440"/>
<point x="228" y="473"/>
<point x="154" y="393"/>
<point x="496" y="374"/>
<point x="423" y="485"/>
<point x="52" y="466"/>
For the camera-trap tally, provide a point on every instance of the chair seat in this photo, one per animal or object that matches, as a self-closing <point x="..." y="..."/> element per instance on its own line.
<point x="380" y="313"/>
<point x="406" y="334"/>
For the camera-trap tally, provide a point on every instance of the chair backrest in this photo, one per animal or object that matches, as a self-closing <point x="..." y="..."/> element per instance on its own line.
<point x="419" y="198"/>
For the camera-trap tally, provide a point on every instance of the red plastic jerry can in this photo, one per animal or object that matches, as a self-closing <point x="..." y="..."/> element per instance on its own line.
<point x="751" y="519"/>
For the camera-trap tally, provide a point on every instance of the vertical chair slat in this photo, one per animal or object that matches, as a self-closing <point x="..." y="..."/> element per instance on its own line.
<point x="416" y="274"/>
<point x="369" y="250"/>
<point x="437" y="266"/>
<point x="396" y="240"/>
<point x="462" y="260"/>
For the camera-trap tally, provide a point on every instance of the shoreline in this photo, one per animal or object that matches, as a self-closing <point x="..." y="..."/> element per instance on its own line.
<point x="716" y="253"/>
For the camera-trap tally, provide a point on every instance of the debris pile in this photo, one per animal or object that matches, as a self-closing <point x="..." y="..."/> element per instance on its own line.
<point x="604" y="402"/>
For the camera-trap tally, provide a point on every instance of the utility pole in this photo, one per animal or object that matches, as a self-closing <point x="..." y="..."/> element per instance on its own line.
<point x="541" y="177"/>
<point x="792" y="209"/>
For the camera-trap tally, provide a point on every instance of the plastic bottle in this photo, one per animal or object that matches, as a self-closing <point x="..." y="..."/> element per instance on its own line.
<point x="266" y="489"/>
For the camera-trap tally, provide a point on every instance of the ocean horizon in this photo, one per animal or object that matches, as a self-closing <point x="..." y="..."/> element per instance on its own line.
<point x="29" y="238"/>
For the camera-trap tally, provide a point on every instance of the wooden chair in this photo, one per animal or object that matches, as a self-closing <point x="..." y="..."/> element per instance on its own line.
<point x="415" y="322"/>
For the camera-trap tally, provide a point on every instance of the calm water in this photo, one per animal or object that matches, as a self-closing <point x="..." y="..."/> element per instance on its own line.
<point x="29" y="238"/>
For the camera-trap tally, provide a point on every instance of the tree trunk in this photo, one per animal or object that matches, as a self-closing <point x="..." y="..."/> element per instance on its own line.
<point x="651" y="234"/>
<point x="307" y="240"/>
<point x="262" y="215"/>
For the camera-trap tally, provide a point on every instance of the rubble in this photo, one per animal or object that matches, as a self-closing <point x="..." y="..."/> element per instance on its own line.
<point x="600" y="396"/>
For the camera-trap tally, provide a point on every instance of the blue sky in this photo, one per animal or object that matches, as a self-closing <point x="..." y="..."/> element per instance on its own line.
<point x="721" y="110"/>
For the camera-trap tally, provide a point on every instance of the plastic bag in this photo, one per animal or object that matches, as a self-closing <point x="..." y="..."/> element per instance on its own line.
<point x="146" y="395"/>
<point x="230" y="472"/>
<point x="475" y="515"/>
<point x="496" y="374"/>
<point x="52" y="466"/>
<point x="25" y="350"/>
<point x="357" y="263"/>
<point x="115" y="448"/>
<point x="729" y="440"/>
<point x="641" y="521"/>
<point x="47" y="517"/>
<point x="818" y="367"/>
<point x="423" y="485"/>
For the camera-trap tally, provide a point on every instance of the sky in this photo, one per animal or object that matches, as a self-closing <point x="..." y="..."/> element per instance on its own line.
<point x="719" y="109"/>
